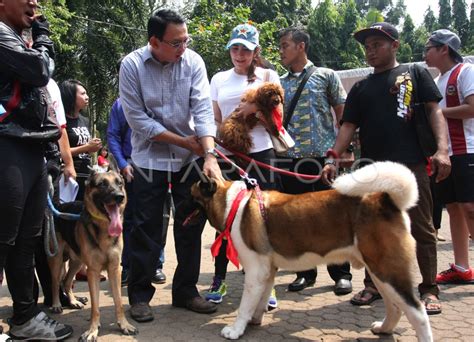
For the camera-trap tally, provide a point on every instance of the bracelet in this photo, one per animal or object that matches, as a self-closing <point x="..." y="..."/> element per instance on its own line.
<point x="211" y="151"/>
<point x="332" y="153"/>
<point x="330" y="162"/>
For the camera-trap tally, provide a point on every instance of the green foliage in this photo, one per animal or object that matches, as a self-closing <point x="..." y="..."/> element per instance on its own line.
<point x="445" y="19"/>
<point x="460" y="21"/>
<point x="210" y="27"/>
<point x="429" y="21"/>
<point x="396" y="13"/>
<point x="374" y="16"/>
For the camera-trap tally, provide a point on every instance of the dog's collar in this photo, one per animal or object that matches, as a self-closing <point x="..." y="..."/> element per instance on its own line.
<point x="97" y="217"/>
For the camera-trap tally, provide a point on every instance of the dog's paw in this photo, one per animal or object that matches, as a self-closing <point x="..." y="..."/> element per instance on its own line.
<point x="75" y="304"/>
<point x="56" y="309"/>
<point x="89" y="336"/>
<point x="377" y="328"/>
<point x="231" y="333"/>
<point x="127" y="329"/>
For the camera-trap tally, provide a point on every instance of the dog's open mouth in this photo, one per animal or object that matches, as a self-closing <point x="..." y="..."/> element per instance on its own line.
<point x="115" y="227"/>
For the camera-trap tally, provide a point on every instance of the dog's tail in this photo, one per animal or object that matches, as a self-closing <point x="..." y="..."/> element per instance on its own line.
<point x="393" y="178"/>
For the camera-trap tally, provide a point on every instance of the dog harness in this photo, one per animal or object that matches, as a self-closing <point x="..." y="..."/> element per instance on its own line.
<point x="231" y="252"/>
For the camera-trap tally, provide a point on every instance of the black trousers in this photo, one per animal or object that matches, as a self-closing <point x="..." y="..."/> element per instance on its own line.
<point x="150" y="188"/>
<point x="23" y="190"/>
<point x="293" y="185"/>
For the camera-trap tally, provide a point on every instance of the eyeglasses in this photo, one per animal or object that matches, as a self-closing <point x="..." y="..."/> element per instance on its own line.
<point x="176" y="44"/>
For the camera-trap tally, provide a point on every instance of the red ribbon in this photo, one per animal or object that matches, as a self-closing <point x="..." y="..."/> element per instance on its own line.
<point x="231" y="252"/>
<point x="277" y="119"/>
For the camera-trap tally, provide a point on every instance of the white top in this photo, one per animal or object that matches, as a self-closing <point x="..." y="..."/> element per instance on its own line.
<point x="462" y="133"/>
<point x="57" y="102"/>
<point x="227" y="87"/>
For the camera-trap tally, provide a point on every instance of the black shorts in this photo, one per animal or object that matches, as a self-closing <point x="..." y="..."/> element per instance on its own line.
<point x="459" y="186"/>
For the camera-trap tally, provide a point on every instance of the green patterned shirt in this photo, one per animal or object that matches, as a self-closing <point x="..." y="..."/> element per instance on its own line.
<point x="312" y="123"/>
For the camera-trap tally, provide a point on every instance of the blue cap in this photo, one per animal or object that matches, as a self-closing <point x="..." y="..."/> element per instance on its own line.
<point x="244" y="34"/>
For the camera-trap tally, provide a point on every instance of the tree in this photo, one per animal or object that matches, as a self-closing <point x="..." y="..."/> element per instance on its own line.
<point x="323" y="28"/>
<point x="396" y="13"/>
<point x="374" y="16"/>
<point x="210" y="27"/>
<point x="470" y="44"/>
<point x="445" y="19"/>
<point x="429" y="22"/>
<point x="408" y="32"/>
<point x="460" y="21"/>
<point x="352" y="54"/>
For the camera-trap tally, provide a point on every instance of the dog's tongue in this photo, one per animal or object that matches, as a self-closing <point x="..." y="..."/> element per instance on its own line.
<point x="115" y="227"/>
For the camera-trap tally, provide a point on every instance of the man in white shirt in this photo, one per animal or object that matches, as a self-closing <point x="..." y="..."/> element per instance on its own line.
<point x="456" y="84"/>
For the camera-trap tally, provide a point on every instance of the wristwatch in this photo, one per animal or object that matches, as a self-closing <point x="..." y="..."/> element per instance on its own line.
<point x="330" y="162"/>
<point x="211" y="151"/>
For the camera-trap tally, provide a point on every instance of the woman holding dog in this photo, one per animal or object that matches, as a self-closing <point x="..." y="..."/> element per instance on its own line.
<point x="227" y="88"/>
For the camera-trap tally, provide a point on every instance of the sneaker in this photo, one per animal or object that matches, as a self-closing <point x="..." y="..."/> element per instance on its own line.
<point x="272" y="300"/>
<point x="455" y="276"/>
<point x="217" y="290"/>
<point x="40" y="327"/>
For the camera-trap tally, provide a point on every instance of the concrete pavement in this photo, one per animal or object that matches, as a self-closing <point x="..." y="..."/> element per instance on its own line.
<point x="314" y="314"/>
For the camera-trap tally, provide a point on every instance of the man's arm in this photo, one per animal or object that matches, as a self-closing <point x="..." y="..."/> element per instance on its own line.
<point x="441" y="163"/>
<point x="343" y="139"/>
<point x="115" y="130"/>
<point x="464" y="111"/>
<point x="66" y="156"/>
<point x="30" y="66"/>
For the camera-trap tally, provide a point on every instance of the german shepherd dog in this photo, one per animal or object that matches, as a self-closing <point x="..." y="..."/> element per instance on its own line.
<point x="363" y="219"/>
<point x="96" y="241"/>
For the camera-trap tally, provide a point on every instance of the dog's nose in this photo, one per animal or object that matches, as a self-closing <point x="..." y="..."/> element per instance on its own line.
<point x="119" y="198"/>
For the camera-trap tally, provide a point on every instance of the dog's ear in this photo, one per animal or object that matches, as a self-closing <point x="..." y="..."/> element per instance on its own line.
<point x="208" y="186"/>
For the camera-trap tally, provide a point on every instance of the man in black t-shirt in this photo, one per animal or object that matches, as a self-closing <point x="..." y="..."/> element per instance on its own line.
<point x="381" y="107"/>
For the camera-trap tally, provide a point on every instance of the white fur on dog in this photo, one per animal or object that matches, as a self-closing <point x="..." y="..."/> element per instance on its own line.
<point x="393" y="178"/>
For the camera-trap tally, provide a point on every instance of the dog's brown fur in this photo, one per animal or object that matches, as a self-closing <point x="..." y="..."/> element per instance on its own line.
<point x="363" y="221"/>
<point x="234" y="130"/>
<point x="93" y="245"/>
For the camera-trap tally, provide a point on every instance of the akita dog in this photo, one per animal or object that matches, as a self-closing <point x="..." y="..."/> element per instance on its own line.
<point x="363" y="220"/>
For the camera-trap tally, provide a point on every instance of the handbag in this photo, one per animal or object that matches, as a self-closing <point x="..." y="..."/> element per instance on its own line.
<point x="421" y="121"/>
<point x="29" y="114"/>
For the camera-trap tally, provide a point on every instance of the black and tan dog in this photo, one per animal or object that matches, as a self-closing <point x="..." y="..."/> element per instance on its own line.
<point x="363" y="220"/>
<point x="96" y="241"/>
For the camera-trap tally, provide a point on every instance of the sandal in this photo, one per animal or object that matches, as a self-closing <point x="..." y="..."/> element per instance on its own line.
<point x="366" y="297"/>
<point x="432" y="305"/>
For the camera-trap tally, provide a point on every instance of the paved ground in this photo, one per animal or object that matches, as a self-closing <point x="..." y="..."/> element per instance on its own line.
<point x="315" y="314"/>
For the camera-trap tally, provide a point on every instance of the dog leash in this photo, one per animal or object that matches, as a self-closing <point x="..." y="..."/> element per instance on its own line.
<point x="57" y="213"/>
<point x="266" y="166"/>
<point x="251" y="181"/>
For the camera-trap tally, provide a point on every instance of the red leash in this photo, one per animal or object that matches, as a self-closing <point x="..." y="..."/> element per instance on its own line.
<point x="266" y="166"/>
<point x="231" y="252"/>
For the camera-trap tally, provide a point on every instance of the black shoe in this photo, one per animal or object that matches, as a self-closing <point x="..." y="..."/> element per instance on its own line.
<point x="124" y="279"/>
<point x="141" y="312"/>
<point x="300" y="284"/>
<point x="200" y="305"/>
<point x="343" y="287"/>
<point x="159" y="277"/>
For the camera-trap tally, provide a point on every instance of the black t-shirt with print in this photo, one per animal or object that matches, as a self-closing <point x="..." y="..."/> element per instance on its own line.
<point x="78" y="134"/>
<point x="381" y="106"/>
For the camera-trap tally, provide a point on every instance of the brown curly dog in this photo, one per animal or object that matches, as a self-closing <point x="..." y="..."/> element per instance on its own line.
<point x="234" y="130"/>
